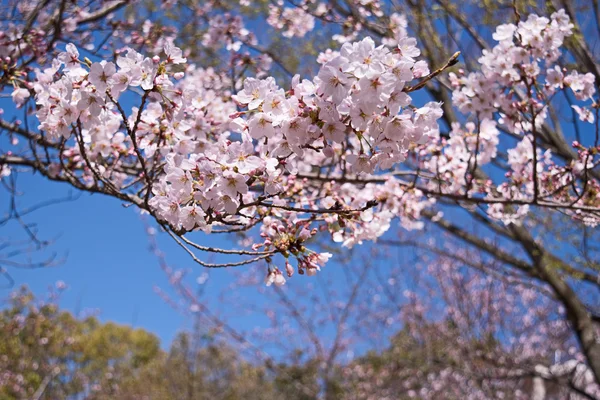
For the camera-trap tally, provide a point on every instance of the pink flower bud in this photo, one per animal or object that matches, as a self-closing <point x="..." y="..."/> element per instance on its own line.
<point x="289" y="269"/>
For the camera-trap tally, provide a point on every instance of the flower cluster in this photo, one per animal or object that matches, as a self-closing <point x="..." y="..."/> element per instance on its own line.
<point x="357" y="102"/>
<point x="518" y="79"/>
<point x="315" y="120"/>
<point x="452" y="159"/>
<point x="296" y="21"/>
<point x="228" y="27"/>
<point x="509" y="70"/>
<point x="206" y="164"/>
<point x="89" y="96"/>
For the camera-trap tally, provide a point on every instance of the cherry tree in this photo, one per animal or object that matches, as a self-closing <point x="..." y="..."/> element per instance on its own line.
<point x="382" y="129"/>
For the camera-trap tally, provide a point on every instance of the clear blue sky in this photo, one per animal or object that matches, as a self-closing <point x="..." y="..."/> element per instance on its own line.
<point x="108" y="265"/>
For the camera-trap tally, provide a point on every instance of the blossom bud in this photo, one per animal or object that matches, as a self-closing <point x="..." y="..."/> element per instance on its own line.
<point x="270" y="278"/>
<point x="304" y="234"/>
<point x="279" y="280"/>
<point x="289" y="269"/>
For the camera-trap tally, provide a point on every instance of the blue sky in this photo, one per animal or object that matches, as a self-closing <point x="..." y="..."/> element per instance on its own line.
<point x="107" y="266"/>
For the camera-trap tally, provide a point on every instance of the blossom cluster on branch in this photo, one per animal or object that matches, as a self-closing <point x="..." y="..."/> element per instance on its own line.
<point x="205" y="150"/>
<point x="206" y="164"/>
